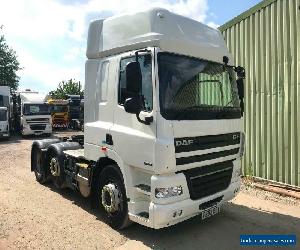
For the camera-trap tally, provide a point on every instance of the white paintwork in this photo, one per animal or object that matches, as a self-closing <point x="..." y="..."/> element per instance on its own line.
<point x="146" y="154"/>
<point x="33" y="97"/>
<point x="155" y="28"/>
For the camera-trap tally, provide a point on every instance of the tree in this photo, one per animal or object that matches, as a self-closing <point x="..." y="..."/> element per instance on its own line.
<point x="9" y="64"/>
<point x="70" y="87"/>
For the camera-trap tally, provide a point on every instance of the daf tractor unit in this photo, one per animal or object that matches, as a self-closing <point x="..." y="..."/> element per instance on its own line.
<point x="34" y="113"/>
<point x="163" y="135"/>
<point x="5" y="103"/>
<point x="59" y="113"/>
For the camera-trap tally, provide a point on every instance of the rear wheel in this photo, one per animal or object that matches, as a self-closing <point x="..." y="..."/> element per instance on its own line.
<point x="39" y="170"/>
<point x="56" y="170"/>
<point x="111" y="197"/>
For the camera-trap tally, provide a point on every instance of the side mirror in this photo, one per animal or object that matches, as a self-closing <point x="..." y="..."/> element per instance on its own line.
<point x="240" y="72"/>
<point x="132" y="105"/>
<point x="240" y="87"/>
<point x="133" y="77"/>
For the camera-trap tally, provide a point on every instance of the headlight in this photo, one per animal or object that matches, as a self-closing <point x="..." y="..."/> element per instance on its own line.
<point x="168" y="192"/>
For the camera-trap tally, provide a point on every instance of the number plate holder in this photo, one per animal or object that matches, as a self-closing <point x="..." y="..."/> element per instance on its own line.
<point x="211" y="211"/>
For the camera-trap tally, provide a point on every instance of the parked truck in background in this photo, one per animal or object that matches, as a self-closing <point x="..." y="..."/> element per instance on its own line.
<point x="74" y="109"/>
<point x="5" y="113"/>
<point x="59" y="113"/>
<point x="34" y="113"/>
<point x="163" y="136"/>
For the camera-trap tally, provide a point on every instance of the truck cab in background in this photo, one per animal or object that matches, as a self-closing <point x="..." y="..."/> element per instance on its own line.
<point x="4" y="123"/>
<point x="5" y="113"/>
<point x="163" y="136"/>
<point x="74" y="110"/>
<point x="34" y="113"/>
<point x="59" y="113"/>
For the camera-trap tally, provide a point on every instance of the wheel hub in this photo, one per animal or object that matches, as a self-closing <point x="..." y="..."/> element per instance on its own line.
<point x="54" y="167"/>
<point x="111" y="198"/>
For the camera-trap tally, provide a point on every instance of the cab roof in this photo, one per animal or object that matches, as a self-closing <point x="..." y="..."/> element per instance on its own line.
<point x="155" y="27"/>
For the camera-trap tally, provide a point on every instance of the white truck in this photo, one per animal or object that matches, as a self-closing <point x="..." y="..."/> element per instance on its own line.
<point x="163" y="136"/>
<point x="34" y="113"/>
<point x="4" y="112"/>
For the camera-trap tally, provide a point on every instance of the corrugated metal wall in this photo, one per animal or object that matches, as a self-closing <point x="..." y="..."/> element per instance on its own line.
<point x="266" y="41"/>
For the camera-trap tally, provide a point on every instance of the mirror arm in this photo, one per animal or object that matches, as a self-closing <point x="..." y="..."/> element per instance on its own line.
<point x="137" y="53"/>
<point x="147" y="121"/>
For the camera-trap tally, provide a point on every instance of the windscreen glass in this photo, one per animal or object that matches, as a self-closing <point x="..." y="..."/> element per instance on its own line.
<point x="3" y="115"/>
<point x="59" y="108"/>
<point x="195" y="89"/>
<point x="36" y="109"/>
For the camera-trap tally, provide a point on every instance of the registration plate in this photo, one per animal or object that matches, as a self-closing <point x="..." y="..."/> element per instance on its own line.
<point x="211" y="211"/>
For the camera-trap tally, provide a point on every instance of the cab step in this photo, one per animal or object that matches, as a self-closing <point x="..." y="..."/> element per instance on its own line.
<point x="144" y="215"/>
<point x="141" y="218"/>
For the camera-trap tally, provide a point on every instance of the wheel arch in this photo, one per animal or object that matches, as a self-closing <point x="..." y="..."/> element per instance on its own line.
<point x="40" y="144"/>
<point x="58" y="149"/>
<point x="113" y="158"/>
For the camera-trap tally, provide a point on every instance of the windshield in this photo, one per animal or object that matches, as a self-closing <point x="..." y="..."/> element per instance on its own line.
<point x="3" y="115"/>
<point x="59" y="108"/>
<point x="195" y="89"/>
<point x="36" y="109"/>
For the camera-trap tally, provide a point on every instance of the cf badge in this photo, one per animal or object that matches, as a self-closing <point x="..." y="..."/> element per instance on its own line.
<point x="236" y="136"/>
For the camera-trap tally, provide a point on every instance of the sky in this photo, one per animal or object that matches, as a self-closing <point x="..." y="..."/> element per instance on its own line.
<point x="49" y="36"/>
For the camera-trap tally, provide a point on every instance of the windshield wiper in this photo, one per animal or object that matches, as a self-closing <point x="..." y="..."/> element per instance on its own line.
<point x="184" y="111"/>
<point x="230" y="102"/>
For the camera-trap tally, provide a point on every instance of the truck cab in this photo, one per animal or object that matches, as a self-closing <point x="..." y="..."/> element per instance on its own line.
<point x="4" y="123"/>
<point x="163" y="136"/>
<point x="4" y="112"/>
<point x="59" y="113"/>
<point x="35" y="118"/>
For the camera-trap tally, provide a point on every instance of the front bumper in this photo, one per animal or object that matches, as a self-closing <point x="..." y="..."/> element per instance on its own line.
<point x="28" y="131"/>
<point x="162" y="215"/>
<point x="60" y="125"/>
<point x="4" y="134"/>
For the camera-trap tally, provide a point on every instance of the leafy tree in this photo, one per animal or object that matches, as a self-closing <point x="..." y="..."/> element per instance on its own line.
<point x="9" y="64"/>
<point x="70" y="87"/>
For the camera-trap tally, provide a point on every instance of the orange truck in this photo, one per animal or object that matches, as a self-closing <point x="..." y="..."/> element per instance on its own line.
<point x="59" y="113"/>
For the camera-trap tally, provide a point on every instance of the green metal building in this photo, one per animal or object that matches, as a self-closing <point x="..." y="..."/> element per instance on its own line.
<point x="266" y="41"/>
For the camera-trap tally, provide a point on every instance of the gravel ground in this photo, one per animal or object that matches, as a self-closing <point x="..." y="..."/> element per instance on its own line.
<point x="34" y="216"/>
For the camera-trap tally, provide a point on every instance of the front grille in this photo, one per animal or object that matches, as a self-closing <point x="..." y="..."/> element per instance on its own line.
<point x="208" y="180"/>
<point x="37" y="120"/>
<point x="206" y="157"/>
<point x="187" y="144"/>
<point x="191" y="144"/>
<point x="59" y="117"/>
<point x="38" y="126"/>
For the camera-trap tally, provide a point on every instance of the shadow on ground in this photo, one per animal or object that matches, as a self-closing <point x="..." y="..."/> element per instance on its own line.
<point x="220" y="232"/>
<point x="13" y="139"/>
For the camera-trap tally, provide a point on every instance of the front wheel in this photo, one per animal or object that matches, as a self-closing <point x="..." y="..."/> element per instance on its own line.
<point x="111" y="197"/>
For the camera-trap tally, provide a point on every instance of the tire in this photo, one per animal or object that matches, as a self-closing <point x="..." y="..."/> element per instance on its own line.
<point x="56" y="170"/>
<point x="111" y="175"/>
<point x="39" y="170"/>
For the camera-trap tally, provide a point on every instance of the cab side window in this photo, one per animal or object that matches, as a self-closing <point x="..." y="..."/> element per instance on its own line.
<point x="146" y="92"/>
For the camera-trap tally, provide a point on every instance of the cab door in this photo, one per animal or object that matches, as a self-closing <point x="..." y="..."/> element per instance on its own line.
<point x="134" y="141"/>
